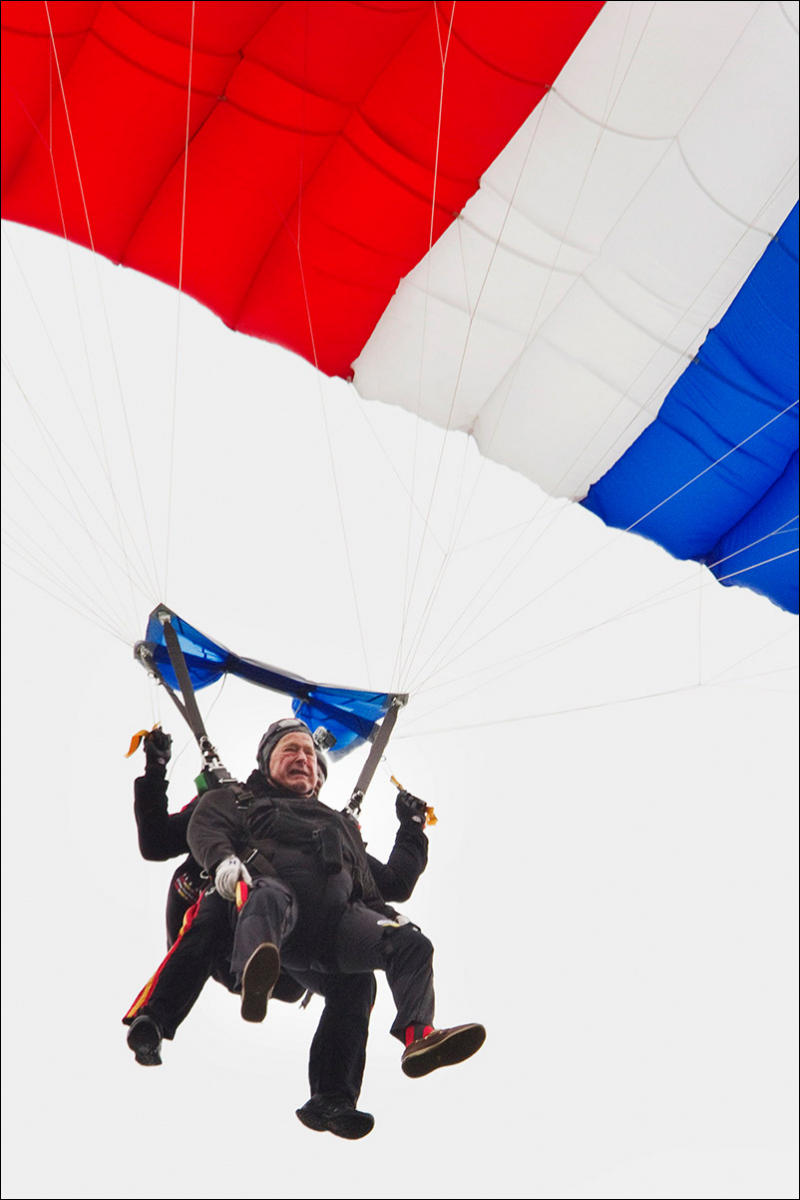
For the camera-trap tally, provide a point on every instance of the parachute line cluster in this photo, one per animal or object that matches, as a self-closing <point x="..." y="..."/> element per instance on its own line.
<point x="532" y="225"/>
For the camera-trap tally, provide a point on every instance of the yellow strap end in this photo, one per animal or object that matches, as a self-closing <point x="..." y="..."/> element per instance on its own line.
<point x="136" y="741"/>
<point x="430" y="816"/>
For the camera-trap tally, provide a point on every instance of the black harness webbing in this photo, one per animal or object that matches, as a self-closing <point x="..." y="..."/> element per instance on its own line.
<point x="189" y="707"/>
<point x="379" y="743"/>
<point x="214" y="772"/>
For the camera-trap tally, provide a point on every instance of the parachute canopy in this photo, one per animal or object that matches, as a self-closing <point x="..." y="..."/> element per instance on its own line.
<point x="349" y="715"/>
<point x="560" y="227"/>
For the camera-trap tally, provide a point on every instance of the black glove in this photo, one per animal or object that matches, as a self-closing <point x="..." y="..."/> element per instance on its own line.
<point x="157" y="748"/>
<point x="410" y="809"/>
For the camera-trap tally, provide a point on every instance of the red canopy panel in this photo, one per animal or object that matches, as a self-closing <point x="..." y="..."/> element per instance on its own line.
<point x="314" y="142"/>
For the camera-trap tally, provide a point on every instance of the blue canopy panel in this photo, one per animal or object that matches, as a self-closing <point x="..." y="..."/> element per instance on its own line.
<point x="349" y="715"/>
<point x="206" y="661"/>
<point x="714" y="477"/>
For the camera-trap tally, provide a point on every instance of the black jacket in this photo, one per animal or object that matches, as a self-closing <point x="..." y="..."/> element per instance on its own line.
<point x="163" y="835"/>
<point x="224" y="823"/>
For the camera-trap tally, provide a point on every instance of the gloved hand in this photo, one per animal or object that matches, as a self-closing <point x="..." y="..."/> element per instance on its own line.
<point x="228" y="874"/>
<point x="410" y="809"/>
<point x="157" y="748"/>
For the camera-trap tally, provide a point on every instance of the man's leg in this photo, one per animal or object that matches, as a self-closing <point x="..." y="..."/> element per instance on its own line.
<point x="365" y="940"/>
<point x="269" y="915"/>
<point x="339" y="1049"/>
<point x="267" y="919"/>
<point x="338" y="1055"/>
<point x="169" y="995"/>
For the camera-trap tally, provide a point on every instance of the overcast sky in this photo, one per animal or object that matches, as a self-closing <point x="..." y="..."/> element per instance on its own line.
<point x="608" y="736"/>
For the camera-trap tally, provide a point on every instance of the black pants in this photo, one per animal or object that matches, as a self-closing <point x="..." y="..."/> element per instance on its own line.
<point x="361" y="940"/>
<point x="338" y="1050"/>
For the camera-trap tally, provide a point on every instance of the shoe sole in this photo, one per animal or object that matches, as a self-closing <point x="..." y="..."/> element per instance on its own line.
<point x="460" y="1045"/>
<point x="349" y="1125"/>
<point x="258" y="979"/>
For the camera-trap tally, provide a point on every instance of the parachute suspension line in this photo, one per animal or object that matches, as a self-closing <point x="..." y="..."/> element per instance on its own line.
<point x="473" y="311"/>
<point x="710" y="466"/>
<point x="95" y="620"/>
<point x="518" y="661"/>
<point x="173" y="421"/>
<point x="752" y="566"/>
<point x="555" y="712"/>
<point x="100" y="455"/>
<point x="409" y="589"/>
<point x="456" y="524"/>
<point x="453" y="657"/>
<point x="43" y="569"/>
<point x="321" y="399"/>
<point x="619" y="533"/>
<point x="53" y="446"/>
<point x="340" y="510"/>
<point x="771" y="673"/>
<point x="789" y="21"/>
<point x="443" y="52"/>
<point x="46" y="563"/>
<point x="718" y="677"/>
<point x="331" y="456"/>
<point x="77" y="514"/>
<point x="361" y="407"/>
<point x="782" y="528"/>
<point x="104" y="461"/>
<point x="117" y="376"/>
<point x="456" y="532"/>
<point x="528" y="341"/>
<point x="700" y="577"/>
<point x="504" y="578"/>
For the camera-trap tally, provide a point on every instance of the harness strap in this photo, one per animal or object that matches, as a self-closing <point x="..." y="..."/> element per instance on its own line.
<point x="189" y="707"/>
<point x="379" y="743"/>
<point x="214" y="773"/>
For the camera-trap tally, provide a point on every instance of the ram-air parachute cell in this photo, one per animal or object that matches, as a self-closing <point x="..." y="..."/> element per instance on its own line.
<point x="567" y="228"/>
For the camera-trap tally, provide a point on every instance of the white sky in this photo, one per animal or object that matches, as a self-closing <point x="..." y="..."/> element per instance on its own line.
<point x="612" y="886"/>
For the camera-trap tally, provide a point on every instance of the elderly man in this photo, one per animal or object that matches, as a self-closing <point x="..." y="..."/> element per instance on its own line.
<point x="313" y="901"/>
<point x="200" y="937"/>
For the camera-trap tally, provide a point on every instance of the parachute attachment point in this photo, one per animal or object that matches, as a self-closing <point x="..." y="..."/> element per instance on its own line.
<point x="380" y="740"/>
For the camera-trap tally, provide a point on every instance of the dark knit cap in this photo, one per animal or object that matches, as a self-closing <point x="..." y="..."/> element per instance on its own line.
<point x="276" y="731"/>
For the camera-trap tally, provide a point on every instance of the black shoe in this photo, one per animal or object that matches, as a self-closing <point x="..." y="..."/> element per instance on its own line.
<point x="259" y="977"/>
<point x="442" y="1048"/>
<point x="144" y="1039"/>
<point x="337" y="1115"/>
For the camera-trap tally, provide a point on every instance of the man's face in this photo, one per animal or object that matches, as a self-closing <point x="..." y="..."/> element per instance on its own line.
<point x="293" y="763"/>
